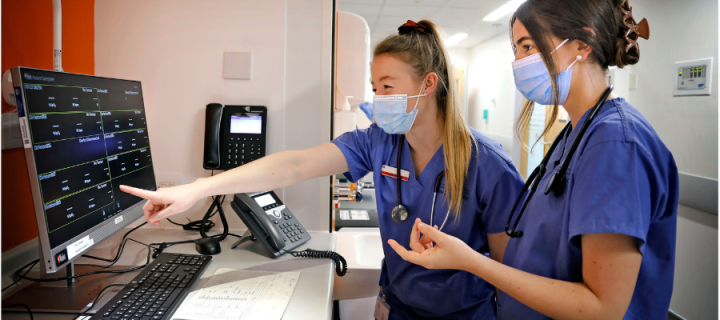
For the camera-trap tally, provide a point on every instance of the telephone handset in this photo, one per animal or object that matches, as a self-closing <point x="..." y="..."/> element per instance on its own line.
<point x="270" y="222"/>
<point x="276" y="228"/>
<point x="234" y="135"/>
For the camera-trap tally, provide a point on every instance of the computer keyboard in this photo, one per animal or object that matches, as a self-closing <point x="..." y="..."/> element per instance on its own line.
<point x="158" y="290"/>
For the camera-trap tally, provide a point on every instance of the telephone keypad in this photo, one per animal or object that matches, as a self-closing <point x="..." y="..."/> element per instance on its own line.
<point x="237" y="151"/>
<point x="292" y="231"/>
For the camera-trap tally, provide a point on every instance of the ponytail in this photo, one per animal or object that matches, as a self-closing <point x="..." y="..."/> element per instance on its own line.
<point x="420" y="45"/>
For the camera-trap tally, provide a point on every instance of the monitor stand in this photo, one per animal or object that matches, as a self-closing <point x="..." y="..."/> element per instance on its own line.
<point x="71" y="296"/>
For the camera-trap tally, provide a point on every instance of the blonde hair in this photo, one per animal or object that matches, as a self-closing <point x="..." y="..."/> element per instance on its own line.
<point x="425" y="52"/>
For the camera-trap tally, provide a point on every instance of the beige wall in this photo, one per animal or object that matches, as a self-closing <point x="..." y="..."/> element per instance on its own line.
<point x="176" y="49"/>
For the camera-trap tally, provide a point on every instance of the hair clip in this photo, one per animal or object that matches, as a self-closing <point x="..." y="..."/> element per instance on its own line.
<point x="635" y="29"/>
<point x="411" y="26"/>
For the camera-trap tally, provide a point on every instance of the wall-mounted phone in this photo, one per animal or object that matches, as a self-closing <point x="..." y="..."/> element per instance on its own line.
<point x="270" y="222"/>
<point x="234" y="135"/>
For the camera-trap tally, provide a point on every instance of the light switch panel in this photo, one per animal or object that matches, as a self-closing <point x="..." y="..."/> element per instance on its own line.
<point x="237" y="65"/>
<point x="693" y="78"/>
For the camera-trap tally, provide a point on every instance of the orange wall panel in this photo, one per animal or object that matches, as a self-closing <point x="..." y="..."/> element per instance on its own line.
<point x="27" y="41"/>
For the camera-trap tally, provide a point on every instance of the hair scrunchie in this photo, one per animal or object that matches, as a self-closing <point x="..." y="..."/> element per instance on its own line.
<point x="412" y="27"/>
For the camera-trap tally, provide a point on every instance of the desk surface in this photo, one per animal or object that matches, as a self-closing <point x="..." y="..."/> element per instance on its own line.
<point x="312" y="298"/>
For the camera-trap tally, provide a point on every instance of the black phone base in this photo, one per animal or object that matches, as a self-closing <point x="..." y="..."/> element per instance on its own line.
<point x="247" y="236"/>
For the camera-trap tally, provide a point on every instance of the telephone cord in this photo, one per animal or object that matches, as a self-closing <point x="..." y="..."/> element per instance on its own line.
<point x="340" y="263"/>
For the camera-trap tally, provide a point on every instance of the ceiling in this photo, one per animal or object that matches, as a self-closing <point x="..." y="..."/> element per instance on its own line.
<point x="453" y="16"/>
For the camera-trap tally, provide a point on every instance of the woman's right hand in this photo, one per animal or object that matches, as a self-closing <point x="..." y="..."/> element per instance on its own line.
<point x="165" y="201"/>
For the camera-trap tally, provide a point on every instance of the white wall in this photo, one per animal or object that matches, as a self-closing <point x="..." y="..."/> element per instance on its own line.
<point x="459" y="57"/>
<point x="689" y="127"/>
<point x="176" y="49"/>
<point x="491" y="86"/>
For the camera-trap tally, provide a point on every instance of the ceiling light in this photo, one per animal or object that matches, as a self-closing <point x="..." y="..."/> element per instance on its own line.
<point x="504" y="10"/>
<point x="449" y="42"/>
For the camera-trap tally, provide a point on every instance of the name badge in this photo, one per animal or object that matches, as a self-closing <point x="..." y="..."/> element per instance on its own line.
<point x="392" y="173"/>
<point x="382" y="309"/>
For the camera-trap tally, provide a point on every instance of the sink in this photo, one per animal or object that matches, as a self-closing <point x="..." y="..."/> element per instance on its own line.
<point x="362" y="248"/>
<point x="368" y="250"/>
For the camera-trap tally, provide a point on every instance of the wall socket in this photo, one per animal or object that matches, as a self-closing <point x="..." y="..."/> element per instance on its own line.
<point x="167" y="180"/>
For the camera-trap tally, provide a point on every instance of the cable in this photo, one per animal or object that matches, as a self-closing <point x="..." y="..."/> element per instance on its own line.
<point x="32" y="265"/>
<point x="195" y="225"/>
<point x="340" y="263"/>
<point x="164" y="245"/>
<point x="217" y="202"/>
<point x="22" y="305"/>
<point x="155" y="248"/>
<point x="98" y="298"/>
<point x="122" y="247"/>
<point x="95" y="272"/>
<point x="117" y="256"/>
<point x="234" y="235"/>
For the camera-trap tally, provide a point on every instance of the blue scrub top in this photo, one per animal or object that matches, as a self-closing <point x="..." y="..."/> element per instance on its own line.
<point x="492" y="185"/>
<point x="622" y="179"/>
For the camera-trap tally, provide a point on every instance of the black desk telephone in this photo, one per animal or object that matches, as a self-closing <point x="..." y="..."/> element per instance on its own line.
<point x="272" y="224"/>
<point x="234" y="135"/>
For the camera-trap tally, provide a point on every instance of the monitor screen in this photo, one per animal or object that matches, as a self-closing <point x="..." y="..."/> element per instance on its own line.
<point x="245" y="124"/>
<point x="88" y="135"/>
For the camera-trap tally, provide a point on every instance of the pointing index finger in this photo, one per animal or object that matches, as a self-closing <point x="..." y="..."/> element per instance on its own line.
<point x="145" y="194"/>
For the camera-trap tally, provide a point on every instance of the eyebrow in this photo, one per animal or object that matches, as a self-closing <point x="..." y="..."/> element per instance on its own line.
<point x="381" y="79"/>
<point x="523" y="39"/>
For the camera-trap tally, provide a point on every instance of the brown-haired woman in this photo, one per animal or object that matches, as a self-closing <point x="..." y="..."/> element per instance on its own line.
<point x="598" y="240"/>
<point x="439" y="156"/>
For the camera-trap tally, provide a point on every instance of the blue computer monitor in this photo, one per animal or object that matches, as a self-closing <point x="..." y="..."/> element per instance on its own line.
<point x="83" y="137"/>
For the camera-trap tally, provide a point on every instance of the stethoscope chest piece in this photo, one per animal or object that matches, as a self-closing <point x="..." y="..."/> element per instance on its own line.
<point x="400" y="213"/>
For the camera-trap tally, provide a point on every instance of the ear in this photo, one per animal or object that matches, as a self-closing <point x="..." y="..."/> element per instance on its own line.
<point x="583" y="48"/>
<point x="431" y="82"/>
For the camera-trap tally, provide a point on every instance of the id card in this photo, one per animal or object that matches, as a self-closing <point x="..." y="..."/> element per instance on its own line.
<point x="382" y="309"/>
<point x="392" y="172"/>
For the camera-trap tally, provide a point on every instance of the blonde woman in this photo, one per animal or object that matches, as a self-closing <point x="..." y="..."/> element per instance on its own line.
<point x="418" y="117"/>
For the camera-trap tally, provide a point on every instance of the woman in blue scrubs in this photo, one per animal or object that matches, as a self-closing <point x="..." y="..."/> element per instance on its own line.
<point x="600" y="243"/>
<point x="418" y="118"/>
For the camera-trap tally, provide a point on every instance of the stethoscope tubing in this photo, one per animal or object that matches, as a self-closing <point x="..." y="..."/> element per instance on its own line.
<point x="435" y="190"/>
<point x="432" y="213"/>
<point x="556" y="186"/>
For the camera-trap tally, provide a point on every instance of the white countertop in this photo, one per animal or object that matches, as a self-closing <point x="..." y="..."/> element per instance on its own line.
<point x="313" y="294"/>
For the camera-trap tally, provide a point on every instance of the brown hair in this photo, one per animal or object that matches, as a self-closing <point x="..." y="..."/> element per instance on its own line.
<point x="567" y="19"/>
<point x="421" y="46"/>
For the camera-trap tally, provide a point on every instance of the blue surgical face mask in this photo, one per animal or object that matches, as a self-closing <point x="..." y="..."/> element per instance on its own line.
<point x="533" y="79"/>
<point x="390" y="115"/>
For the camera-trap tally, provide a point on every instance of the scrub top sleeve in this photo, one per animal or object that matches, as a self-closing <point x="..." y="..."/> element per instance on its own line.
<point x="499" y="198"/>
<point x="612" y="192"/>
<point x="356" y="146"/>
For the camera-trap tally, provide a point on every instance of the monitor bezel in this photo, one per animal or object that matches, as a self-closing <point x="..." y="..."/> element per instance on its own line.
<point x="129" y="215"/>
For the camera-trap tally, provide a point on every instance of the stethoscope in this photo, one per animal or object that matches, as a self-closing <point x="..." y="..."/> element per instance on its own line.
<point x="400" y="212"/>
<point x="557" y="181"/>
